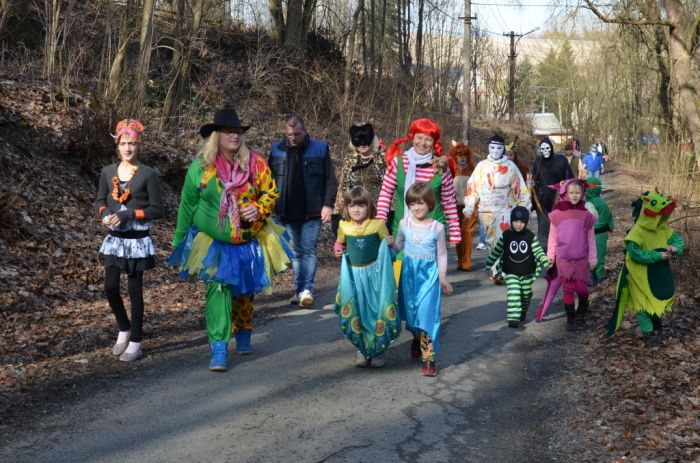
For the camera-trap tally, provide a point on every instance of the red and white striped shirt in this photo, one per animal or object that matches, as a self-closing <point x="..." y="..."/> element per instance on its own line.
<point x="423" y="174"/>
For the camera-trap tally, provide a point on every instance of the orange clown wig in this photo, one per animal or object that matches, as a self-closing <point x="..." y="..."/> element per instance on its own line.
<point x="424" y="126"/>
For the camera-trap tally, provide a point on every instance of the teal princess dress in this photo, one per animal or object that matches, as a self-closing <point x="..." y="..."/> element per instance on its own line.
<point x="419" y="286"/>
<point x="366" y="297"/>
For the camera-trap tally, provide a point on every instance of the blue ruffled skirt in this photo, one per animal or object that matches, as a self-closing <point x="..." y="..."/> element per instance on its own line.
<point x="247" y="267"/>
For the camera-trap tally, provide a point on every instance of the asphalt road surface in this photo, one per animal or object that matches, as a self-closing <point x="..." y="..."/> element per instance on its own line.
<point x="299" y="398"/>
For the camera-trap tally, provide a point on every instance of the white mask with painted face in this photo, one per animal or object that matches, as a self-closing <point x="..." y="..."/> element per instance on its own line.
<point x="496" y="151"/>
<point x="545" y="150"/>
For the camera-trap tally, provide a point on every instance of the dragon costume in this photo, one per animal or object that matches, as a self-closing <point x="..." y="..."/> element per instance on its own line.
<point x="645" y="283"/>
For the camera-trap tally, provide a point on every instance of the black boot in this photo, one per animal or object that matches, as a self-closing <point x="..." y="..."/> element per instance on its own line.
<point x="570" y="314"/>
<point x="653" y="339"/>
<point x="581" y="312"/>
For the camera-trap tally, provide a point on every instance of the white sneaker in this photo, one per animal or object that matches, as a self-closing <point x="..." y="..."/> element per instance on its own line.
<point x="306" y="299"/>
<point x="481" y="246"/>
<point x="360" y="360"/>
<point x="377" y="362"/>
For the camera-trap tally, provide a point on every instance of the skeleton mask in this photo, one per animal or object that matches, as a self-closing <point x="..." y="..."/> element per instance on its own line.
<point x="545" y="150"/>
<point x="496" y="151"/>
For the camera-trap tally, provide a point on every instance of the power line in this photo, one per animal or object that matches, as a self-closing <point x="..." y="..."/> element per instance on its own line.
<point x="515" y="5"/>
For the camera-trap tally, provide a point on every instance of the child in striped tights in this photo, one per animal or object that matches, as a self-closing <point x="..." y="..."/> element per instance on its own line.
<point x="521" y="259"/>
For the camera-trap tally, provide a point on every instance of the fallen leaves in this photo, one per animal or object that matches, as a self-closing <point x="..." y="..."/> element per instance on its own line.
<point x="644" y="403"/>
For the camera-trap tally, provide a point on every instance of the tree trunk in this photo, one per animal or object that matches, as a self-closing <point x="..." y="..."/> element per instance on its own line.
<point x="419" y="39"/>
<point x="114" y="83"/>
<point x="682" y="70"/>
<point x="176" y="91"/>
<point x="661" y="48"/>
<point x="372" y="37"/>
<point x="275" y="7"/>
<point x="292" y="32"/>
<point x="309" y="8"/>
<point x="363" y="25"/>
<point x="350" y="54"/>
<point x="380" y="44"/>
<point x="144" y="54"/>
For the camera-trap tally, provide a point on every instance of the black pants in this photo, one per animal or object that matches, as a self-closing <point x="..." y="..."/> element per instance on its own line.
<point x="543" y="229"/>
<point x="135" y="289"/>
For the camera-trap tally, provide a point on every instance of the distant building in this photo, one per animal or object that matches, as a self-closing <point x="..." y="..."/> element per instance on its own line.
<point x="547" y="125"/>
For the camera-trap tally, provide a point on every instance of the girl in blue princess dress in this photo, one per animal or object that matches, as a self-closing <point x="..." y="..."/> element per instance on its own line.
<point x="423" y="274"/>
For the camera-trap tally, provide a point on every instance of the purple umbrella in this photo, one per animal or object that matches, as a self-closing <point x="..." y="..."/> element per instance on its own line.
<point x="553" y="285"/>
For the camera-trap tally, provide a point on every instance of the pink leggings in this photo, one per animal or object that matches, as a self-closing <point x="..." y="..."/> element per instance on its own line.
<point x="569" y="287"/>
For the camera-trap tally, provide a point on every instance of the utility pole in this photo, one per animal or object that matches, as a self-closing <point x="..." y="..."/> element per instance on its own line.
<point x="511" y="73"/>
<point x="467" y="59"/>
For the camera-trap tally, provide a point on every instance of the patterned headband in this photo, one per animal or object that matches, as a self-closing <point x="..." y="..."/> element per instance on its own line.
<point x="131" y="127"/>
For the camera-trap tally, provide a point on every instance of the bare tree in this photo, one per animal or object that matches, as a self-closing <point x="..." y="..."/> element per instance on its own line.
<point x="350" y="54"/>
<point x="144" y="62"/>
<point x="114" y="83"/>
<point x="682" y="18"/>
<point x="181" y="61"/>
<point x="294" y="30"/>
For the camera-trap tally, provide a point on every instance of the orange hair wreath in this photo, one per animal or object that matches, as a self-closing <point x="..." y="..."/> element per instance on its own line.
<point x="131" y="127"/>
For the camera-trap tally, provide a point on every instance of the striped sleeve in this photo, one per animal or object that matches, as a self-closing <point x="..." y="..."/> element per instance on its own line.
<point x="386" y="194"/>
<point x="538" y="252"/>
<point x="495" y="253"/>
<point x="449" y="206"/>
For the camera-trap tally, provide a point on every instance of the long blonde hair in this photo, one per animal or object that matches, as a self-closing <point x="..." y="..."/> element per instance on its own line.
<point x="210" y="148"/>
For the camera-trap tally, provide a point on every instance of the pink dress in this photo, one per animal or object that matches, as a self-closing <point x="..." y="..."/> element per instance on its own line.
<point x="572" y="241"/>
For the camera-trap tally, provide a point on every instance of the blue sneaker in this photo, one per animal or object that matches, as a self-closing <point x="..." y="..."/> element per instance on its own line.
<point x="243" y="346"/>
<point x="219" y="356"/>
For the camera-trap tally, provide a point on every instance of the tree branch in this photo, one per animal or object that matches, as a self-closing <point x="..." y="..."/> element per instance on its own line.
<point x="630" y="21"/>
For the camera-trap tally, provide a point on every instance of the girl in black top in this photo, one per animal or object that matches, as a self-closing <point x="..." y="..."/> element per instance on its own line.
<point x="128" y="200"/>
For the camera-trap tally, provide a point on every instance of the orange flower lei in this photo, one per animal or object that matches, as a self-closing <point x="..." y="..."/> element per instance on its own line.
<point x="127" y="190"/>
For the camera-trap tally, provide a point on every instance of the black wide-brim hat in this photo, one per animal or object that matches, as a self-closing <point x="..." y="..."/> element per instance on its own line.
<point x="223" y="118"/>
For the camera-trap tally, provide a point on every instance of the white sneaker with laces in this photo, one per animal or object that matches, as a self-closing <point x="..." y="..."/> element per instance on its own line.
<point x="306" y="299"/>
<point x="481" y="246"/>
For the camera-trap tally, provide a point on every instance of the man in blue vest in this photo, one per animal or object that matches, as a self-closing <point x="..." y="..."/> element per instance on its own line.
<point x="303" y="171"/>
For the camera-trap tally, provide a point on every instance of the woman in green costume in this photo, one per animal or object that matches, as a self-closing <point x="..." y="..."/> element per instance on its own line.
<point x="224" y="235"/>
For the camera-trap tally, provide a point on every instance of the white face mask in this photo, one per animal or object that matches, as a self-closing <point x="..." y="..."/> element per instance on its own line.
<point x="496" y="151"/>
<point x="545" y="150"/>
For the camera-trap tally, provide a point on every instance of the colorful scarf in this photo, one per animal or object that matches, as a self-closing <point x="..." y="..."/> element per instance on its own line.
<point x="231" y="176"/>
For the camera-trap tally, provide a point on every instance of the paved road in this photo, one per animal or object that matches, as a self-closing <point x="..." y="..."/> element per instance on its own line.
<point x="299" y="398"/>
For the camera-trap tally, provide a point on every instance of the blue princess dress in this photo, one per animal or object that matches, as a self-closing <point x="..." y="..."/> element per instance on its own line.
<point x="366" y="297"/>
<point x="425" y="255"/>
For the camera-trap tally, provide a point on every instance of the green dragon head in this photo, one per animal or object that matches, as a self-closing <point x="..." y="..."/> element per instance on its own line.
<point x="655" y="209"/>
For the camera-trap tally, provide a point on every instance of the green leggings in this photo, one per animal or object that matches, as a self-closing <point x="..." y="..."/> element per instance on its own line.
<point x="519" y="295"/>
<point x="223" y="312"/>
<point x="601" y="247"/>
<point x="648" y="322"/>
